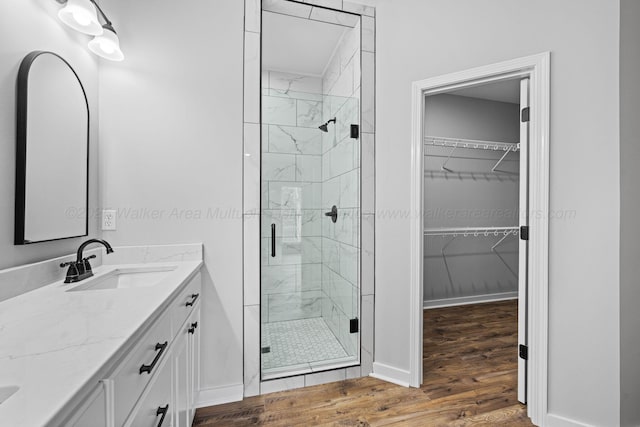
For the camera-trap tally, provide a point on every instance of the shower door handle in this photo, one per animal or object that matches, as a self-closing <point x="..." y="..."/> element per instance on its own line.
<point x="333" y="213"/>
<point x="273" y="240"/>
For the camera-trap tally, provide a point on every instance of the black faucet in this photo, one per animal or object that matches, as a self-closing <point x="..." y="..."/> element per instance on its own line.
<point x="80" y="269"/>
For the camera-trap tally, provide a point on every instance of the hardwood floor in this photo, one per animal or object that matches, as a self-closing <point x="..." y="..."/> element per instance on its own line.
<point x="470" y="378"/>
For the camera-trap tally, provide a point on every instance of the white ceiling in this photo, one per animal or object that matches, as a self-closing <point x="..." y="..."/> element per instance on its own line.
<point x="297" y="45"/>
<point x="505" y="91"/>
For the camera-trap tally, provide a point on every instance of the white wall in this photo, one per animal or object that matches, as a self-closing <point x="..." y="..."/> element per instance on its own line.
<point x="25" y="27"/>
<point x="455" y="116"/>
<point x="171" y="150"/>
<point x="418" y="39"/>
<point x="629" y="207"/>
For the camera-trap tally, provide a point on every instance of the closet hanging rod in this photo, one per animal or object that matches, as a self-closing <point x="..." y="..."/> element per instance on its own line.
<point x="470" y="231"/>
<point x="471" y="143"/>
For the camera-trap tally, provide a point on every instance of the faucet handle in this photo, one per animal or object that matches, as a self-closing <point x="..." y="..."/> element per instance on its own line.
<point x="89" y="257"/>
<point x="72" y="272"/>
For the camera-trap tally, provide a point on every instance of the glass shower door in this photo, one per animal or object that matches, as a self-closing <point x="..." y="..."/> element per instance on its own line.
<point x="310" y="214"/>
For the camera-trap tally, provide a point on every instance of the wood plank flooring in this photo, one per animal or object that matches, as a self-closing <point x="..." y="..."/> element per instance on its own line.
<point x="470" y="379"/>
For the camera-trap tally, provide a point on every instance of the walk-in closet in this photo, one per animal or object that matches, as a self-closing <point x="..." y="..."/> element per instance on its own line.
<point x="475" y="189"/>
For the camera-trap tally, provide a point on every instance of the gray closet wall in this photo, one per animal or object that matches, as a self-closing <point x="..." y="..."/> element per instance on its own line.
<point x="470" y="196"/>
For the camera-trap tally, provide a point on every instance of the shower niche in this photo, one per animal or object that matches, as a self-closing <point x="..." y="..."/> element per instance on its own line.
<point x="310" y="189"/>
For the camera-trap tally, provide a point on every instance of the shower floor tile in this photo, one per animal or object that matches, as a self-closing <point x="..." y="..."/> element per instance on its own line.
<point x="297" y="344"/>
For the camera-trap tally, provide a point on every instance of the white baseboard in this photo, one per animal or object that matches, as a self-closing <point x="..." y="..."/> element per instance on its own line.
<point x="219" y="395"/>
<point x="553" y="420"/>
<point x="390" y="374"/>
<point x="477" y="299"/>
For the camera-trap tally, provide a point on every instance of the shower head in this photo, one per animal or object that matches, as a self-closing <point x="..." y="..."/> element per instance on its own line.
<point x="324" y="127"/>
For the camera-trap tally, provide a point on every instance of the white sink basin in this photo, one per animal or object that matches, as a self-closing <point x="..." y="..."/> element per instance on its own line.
<point x="126" y="278"/>
<point x="7" y="392"/>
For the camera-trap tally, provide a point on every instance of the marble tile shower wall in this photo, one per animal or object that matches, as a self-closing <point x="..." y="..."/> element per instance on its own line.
<point x="292" y="108"/>
<point x="341" y="187"/>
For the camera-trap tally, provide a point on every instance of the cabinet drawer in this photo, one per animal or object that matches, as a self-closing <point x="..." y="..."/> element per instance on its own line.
<point x="183" y="306"/>
<point x="156" y="403"/>
<point x="134" y="374"/>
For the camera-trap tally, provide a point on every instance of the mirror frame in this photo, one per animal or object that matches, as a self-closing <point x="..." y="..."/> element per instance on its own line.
<point x="22" y="92"/>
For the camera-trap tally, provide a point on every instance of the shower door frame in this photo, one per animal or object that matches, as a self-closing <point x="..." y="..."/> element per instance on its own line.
<point x="252" y="202"/>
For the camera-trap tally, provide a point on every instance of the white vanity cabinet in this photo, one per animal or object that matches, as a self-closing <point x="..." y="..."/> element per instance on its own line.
<point x="194" y="366"/>
<point x="156" y="382"/>
<point x="186" y="369"/>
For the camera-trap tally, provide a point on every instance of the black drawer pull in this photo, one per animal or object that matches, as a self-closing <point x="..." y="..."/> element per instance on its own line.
<point x="193" y="327"/>
<point x="162" y="410"/>
<point x="160" y="348"/>
<point x="194" y="297"/>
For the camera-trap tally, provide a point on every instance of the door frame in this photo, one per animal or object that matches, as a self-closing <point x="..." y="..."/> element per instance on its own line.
<point x="537" y="69"/>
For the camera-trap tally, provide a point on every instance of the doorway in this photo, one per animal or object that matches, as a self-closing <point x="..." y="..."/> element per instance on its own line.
<point x="466" y="169"/>
<point x="475" y="200"/>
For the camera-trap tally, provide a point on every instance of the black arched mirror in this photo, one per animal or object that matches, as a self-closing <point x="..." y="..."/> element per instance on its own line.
<point x="52" y="158"/>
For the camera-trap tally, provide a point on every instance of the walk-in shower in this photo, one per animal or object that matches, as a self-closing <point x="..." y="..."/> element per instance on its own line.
<point x="310" y="207"/>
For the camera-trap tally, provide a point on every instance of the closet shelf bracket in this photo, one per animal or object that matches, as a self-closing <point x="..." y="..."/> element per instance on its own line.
<point x="493" y="169"/>
<point x="444" y="165"/>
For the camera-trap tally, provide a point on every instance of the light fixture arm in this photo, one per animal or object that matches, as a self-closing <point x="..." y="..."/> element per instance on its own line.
<point x="106" y="20"/>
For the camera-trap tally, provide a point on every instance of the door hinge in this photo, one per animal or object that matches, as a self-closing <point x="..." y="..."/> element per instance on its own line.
<point x="523" y="352"/>
<point x="525" y="115"/>
<point x="355" y="131"/>
<point x="524" y="232"/>
<point x="353" y="326"/>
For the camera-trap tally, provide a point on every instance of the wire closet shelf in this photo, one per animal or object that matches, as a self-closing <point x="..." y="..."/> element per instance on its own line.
<point x="438" y="141"/>
<point x="472" y="231"/>
<point x="458" y="143"/>
<point x="454" y="233"/>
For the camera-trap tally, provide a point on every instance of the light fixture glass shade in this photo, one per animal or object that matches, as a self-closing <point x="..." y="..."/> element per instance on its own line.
<point x="107" y="45"/>
<point x="81" y="16"/>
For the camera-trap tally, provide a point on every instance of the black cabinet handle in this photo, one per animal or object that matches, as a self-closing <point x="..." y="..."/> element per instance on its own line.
<point x="160" y="348"/>
<point x="273" y="240"/>
<point x="194" y="297"/>
<point x="193" y="327"/>
<point x="162" y="410"/>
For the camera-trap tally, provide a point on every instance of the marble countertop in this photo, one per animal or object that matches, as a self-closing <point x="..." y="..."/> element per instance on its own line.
<point x="56" y="345"/>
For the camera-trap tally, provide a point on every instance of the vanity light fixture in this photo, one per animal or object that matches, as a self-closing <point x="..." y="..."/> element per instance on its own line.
<point x="107" y="45"/>
<point x="81" y="15"/>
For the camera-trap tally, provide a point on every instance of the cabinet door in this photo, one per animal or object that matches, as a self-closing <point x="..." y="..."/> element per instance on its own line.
<point x="194" y="361"/>
<point x="95" y="414"/>
<point x="156" y="409"/>
<point x="181" y="383"/>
